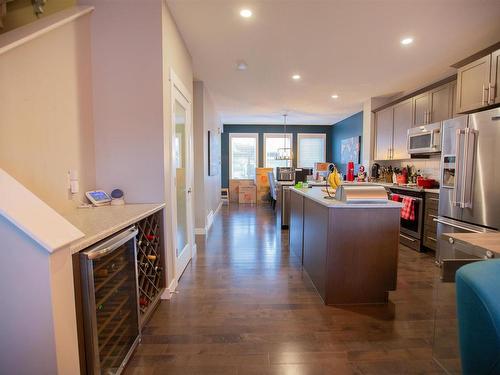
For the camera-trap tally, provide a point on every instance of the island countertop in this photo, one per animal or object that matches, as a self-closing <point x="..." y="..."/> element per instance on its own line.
<point x="317" y="195"/>
<point x="482" y="241"/>
<point x="97" y="223"/>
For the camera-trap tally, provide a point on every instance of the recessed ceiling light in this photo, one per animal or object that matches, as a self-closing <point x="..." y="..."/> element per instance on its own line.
<point x="296" y="77"/>
<point x="406" y="41"/>
<point x="241" y="65"/>
<point x="245" y="13"/>
<point x="335" y="96"/>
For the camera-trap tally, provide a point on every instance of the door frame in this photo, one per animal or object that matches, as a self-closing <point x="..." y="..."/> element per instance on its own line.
<point x="180" y="93"/>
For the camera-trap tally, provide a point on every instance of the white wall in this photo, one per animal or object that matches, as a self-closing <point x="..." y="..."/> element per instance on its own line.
<point x="206" y="188"/>
<point x="134" y="47"/>
<point x="27" y="342"/>
<point x="46" y="112"/>
<point x="127" y="93"/>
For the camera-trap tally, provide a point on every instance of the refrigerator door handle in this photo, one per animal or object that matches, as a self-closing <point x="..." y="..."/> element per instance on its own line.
<point x="458" y="183"/>
<point x="468" y="174"/>
<point x="445" y="222"/>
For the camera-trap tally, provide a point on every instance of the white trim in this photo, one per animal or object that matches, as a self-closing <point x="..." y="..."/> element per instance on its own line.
<point x="310" y="135"/>
<point x="210" y="219"/>
<point x="242" y="135"/>
<point x="34" y="217"/>
<point x="177" y="83"/>
<point x="276" y="135"/>
<point x="179" y="93"/>
<point x="26" y="33"/>
<point x="218" y="208"/>
<point x="167" y="293"/>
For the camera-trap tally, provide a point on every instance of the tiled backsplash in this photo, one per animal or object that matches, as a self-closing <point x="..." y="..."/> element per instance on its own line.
<point x="428" y="167"/>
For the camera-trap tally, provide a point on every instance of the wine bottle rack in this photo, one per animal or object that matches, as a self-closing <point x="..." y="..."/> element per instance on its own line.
<point x="149" y="264"/>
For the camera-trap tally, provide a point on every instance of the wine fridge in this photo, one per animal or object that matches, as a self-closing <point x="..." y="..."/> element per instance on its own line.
<point x="110" y="310"/>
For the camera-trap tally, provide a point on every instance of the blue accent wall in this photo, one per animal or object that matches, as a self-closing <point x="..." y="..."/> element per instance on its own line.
<point x="261" y="129"/>
<point x="347" y="128"/>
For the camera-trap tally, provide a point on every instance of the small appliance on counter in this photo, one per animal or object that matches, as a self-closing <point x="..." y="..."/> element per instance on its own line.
<point x="375" y="172"/>
<point x="302" y="173"/>
<point x="285" y="174"/>
<point x="117" y="198"/>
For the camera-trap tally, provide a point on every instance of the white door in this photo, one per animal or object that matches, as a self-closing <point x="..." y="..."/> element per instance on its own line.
<point x="182" y="177"/>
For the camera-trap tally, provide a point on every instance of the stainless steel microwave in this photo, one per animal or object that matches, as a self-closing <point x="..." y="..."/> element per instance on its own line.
<point x="425" y="139"/>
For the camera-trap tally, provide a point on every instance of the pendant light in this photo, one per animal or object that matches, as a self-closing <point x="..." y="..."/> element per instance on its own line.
<point x="284" y="153"/>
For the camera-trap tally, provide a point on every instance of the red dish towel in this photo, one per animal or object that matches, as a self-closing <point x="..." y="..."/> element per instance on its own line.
<point x="408" y="210"/>
<point x="395" y="198"/>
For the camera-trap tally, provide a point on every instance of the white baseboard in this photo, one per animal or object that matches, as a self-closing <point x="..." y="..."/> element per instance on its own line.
<point x="167" y="294"/>
<point x="210" y="220"/>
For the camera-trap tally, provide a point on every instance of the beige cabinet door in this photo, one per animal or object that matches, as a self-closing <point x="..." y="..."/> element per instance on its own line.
<point x="453" y="99"/>
<point x="472" y="85"/>
<point x="494" y="93"/>
<point x="440" y="108"/>
<point x="383" y="134"/>
<point x="402" y="122"/>
<point x="421" y="106"/>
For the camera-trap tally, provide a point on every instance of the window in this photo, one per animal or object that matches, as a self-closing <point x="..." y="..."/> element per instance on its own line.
<point x="243" y="151"/>
<point x="311" y="148"/>
<point x="273" y="142"/>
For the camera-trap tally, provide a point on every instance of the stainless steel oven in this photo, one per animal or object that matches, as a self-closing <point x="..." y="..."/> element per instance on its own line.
<point x="411" y="230"/>
<point x="425" y="139"/>
<point x="109" y="303"/>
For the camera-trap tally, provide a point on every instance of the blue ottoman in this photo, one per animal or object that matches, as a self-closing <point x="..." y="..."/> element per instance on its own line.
<point x="478" y="309"/>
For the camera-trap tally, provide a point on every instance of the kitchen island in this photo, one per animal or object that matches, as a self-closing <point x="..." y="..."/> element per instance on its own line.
<point x="349" y="250"/>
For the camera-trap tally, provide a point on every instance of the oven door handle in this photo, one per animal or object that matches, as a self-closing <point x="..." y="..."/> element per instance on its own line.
<point x="457" y="226"/>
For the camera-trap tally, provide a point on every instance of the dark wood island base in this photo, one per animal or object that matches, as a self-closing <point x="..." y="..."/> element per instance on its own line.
<point x="350" y="252"/>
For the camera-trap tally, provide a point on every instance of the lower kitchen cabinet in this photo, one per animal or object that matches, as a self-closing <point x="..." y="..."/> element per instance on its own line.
<point x="430" y="226"/>
<point x="297" y="223"/>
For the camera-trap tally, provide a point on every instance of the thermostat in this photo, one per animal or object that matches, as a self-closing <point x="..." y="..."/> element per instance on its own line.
<point x="98" y="197"/>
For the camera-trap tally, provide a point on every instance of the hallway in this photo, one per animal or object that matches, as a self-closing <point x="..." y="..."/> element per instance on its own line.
<point x="244" y="306"/>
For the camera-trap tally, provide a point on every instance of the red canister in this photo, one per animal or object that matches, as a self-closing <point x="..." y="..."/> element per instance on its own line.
<point x="350" y="171"/>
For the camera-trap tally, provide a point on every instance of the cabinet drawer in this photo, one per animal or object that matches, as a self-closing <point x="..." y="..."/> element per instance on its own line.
<point x="432" y="202"/>
<point x="430" y="241"/>
<point x="430" y="215"/>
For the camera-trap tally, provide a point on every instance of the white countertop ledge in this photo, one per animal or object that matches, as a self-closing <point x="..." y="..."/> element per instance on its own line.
<point x="24" y="34"/>
<point x="97" y="223"/>
<point x="317" y="195"/>
<point x="34" y="217"/>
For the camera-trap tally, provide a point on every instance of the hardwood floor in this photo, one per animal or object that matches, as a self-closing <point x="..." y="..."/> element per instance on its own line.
<point x="244" y="306"/>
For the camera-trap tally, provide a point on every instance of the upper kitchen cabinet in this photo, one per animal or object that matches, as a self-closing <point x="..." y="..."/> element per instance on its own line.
<point x="383" y="134"/>
<point x="453" y="98"/>
<point x="432" y="106"/>
<point x="495" y="77"/>
<point x="441" y="103"/>
<point x="420" y="109"/>
<point x="477" y="82"/>
<point x="402" y="122"/>
<point x="472" y="84"/>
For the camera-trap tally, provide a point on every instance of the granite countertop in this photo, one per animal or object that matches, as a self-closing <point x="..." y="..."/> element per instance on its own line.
<point x="487" y="241"/>
<point x="97" y="223"/>
<point x="317" y="195"/>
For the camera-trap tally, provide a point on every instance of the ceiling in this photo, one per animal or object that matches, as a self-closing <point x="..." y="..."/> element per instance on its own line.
<point x="346" y="47"/>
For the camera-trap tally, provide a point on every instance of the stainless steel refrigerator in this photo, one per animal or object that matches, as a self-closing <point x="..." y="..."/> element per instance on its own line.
<point x="469" y="199"/>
